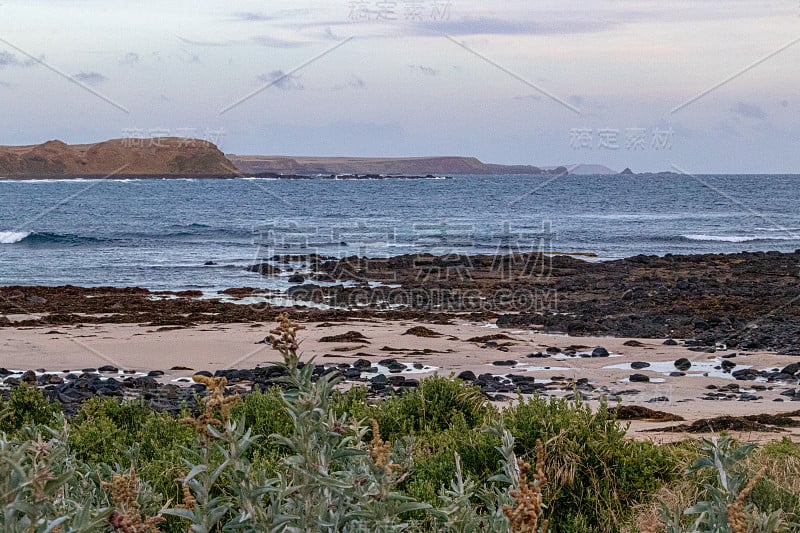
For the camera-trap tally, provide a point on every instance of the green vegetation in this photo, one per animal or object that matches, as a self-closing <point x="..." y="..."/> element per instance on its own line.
<point x="305" y="456"/>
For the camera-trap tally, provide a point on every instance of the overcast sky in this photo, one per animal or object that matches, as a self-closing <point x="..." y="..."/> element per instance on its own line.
<point x="699" y="87"/>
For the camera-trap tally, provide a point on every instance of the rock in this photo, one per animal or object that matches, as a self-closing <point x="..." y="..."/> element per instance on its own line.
<point x="296" y="278"/>
<point x="638" y="365"/>
<point x="600" y="352"/>
<point x="396" y="380"/>
<point x="683" y="364"/>
<point x="670" y="342"/>
<point x="29" y="376"/>
<point x="727" y="365"/>
<point x="508" y="362"/>
<point x="745" y="374"/>
<point x="108" y="368"/>
<point x="362" y="365"/>
<point x="146" y="383"/>
<point x="677" y="374"/>
<point x="209" y="263"/>
<point x="155" y="373"/>
<point x="791" y="369"/>
<point x="395" y="368"/>
<point x="746" y="397"/>
<point x="352" y="373"/>
<point x="467" y="375"/>
<point x="639" y="378"/>
<point x="380" y="379"/>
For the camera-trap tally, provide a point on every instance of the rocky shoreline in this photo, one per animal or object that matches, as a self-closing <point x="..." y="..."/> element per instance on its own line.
<point x="749" y="301"/>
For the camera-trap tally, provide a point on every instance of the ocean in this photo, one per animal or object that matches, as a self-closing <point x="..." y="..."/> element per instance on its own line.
<point x="166" y="234"/>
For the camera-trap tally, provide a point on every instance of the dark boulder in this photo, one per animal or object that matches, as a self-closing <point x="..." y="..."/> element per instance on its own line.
<point x="600" y="352"/>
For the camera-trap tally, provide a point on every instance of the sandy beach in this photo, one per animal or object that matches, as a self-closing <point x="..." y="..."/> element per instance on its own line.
<point x="459" y="347"/>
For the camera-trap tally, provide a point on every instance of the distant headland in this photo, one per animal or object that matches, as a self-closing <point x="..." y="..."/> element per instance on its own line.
<point x="165" y="156"/>
<point x="173" y="157"/>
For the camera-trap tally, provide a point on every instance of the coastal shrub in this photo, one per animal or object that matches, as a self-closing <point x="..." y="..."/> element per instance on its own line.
<point x="27" y="405"/>
<point x="130" y="434"/>
<point x="435" y="458"/>
<point x="432" y="407"/>
<point x="596" y="474"/>
<point x="41" y="488"/>
<point x="331" y="480"/>
<point x="264" y="413"/>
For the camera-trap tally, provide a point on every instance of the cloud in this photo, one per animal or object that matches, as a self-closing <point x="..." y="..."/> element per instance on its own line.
<point x="745" y="110"/>
<point x="250" y="16"/>
<point x="575" y="100"/>
<point x="189" y="57"/>
<point x="131" y="58"/>
<point x="5" y="84"/>
<point x="7" y="59"/>
<point x="90" y="78"/>
<point x="428" y="71"/>
<point x="526" y="97"/>
<point x="496" y="26"/>
<point x="275" y="42"/>
<point x="268" y="41"/>
<point x="353" y="82"/>
<point x="283" y="81"/>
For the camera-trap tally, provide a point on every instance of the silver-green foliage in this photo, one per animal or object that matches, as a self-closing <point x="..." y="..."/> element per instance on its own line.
<point x="43" y="487"/>
<point x="724" y="457"/>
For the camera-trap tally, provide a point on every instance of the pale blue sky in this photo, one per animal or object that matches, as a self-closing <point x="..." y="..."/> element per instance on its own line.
<point x="510" y="82"/>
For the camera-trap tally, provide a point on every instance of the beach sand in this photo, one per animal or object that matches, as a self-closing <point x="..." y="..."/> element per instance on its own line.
<point x="224" y="346"/>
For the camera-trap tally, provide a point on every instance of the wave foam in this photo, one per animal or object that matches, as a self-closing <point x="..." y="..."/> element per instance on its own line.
<point x="10" y="237"/>
<point x="735" y="238"/>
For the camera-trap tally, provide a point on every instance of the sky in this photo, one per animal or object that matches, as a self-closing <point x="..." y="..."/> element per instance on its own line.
<point x="704" y="86"/>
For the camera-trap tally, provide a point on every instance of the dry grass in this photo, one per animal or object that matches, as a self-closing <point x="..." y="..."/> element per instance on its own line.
<point x="524" y="515"/>
<point x="217" y="406"/>
<point x="679" y="494"/>
<point x="737" y="519"/>
<point x="127" y="516"/>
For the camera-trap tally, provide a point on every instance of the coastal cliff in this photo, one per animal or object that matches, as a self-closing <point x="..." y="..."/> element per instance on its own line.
<point x="165" y="156"/>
